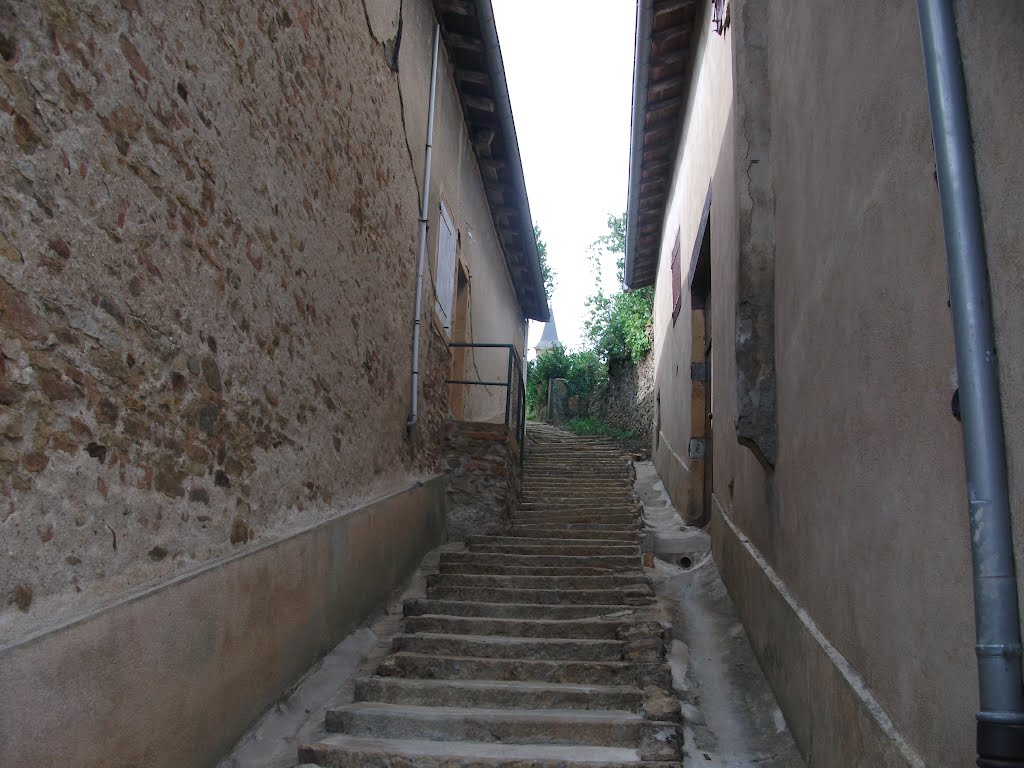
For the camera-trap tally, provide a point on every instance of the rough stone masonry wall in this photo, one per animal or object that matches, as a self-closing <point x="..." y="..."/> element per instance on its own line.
<point x="207" y="234"/>
<point x="484" y="479"/>
<point x="628" y="401"/>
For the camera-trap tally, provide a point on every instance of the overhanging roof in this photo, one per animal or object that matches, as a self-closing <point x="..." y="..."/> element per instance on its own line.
<point x="471" y="38"/>
<point x="666" y="34"/>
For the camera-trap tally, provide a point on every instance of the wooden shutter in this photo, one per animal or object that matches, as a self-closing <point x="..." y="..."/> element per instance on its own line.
<point x="677" y="282"/>
<point x="444" y="286"/>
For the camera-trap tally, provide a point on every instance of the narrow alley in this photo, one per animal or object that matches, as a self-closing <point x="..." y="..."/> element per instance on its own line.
<point x="537" y="648"/>
<point x="546" y="646"/>
<point x="452" y="383"/>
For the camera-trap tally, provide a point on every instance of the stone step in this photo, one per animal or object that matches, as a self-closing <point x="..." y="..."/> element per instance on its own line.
<point x="558" y="550"/>
<point x="554" y="507"/>
<point x="485" y="568"/>
<point x="421" y="606"/>
<point x="606" y="533"/>
<point x="603" y="480"/>
<point x="342" y="751"/>
<point x="548" y="501"/>
<point x="631" y="525"/>
<point x="583" y="629"/>
<point x="580" y="475"/>
<point x="574" y="450"/>
<point x="530" y="581"/>
<point x="498" y="647"/>
<point x="497" y="694"/>
<point x="578" y="488"/>
<point x="431" y="667"/>
<point x="621" y="595"/>
<point x="508" y="726"/>
<point x="582" y="518"/>
<point x="616" y="561"/>
<point x="571" y="547"/>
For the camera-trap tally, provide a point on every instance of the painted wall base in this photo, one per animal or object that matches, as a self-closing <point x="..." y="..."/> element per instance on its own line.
<point x="172" y="677"/>
<point x="674" y="473"/>
<point x="835" y="719"/>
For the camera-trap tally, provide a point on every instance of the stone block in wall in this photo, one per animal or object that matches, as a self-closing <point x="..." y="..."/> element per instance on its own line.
<point x="627" y="401"/>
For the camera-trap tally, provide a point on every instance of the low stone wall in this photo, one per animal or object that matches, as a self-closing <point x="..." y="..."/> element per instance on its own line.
<point x="628" y="401"/>
<point x="484" y="478"/>
<point x="173" y="676"/>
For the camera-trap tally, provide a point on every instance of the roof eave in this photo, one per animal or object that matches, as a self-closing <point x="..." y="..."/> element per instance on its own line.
<point x="667" y="36"/>
<point x="524" y="261"/>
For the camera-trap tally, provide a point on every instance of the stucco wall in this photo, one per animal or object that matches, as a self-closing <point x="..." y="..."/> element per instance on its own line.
<point x="174" y="675"/>
<point x="871" y="530"/>
<point x="494" y="313"/>
<point x="863" y="523"/>
<point x="701" y="135"/>
<point x="990" y="38"/>
<point x="208" y="230"/>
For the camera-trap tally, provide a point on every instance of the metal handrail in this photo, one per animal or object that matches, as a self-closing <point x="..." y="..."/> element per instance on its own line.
<point x="515" y="364"/>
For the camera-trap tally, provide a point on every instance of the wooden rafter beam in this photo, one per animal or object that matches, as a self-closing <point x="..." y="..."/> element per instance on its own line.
<point x="671" y="6"/>
<point x="462" y="41"/>
<point x="472" y="76"/>
<point x="663" y="104"/>
<point x="457" y="7"/>
<point x="478" y="103"/>
<point x="677" y="56"/>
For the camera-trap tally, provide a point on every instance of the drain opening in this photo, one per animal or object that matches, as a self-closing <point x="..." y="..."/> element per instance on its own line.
<point x="685" y="562"/>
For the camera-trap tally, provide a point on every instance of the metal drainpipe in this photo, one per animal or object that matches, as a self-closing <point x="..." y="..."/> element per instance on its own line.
<point x="424" y="218"/>
<point x="1001" y="716"/>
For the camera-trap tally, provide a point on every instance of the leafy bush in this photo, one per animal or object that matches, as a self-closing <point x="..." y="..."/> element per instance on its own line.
<point x="583" y="371"/>
<point x="619" y="327"/>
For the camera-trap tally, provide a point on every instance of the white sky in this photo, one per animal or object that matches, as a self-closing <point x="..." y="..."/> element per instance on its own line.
<point x="569" y="66"/>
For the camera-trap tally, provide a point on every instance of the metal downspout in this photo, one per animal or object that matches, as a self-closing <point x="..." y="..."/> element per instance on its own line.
<point x="644" y="27"/>
<point x="424" y="218"/>
<point x="1001" y="716"/>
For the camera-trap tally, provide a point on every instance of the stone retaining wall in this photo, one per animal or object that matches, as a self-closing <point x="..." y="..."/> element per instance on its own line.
<point x="484" y="478"/>
<point x="628" y="401"/>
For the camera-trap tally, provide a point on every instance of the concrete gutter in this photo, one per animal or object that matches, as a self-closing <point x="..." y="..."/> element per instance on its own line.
<point x="641" y="70"/>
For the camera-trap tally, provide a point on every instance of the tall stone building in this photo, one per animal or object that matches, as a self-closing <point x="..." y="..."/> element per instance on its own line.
<point x="784" y="202"/>
<point x="209" y="230"/>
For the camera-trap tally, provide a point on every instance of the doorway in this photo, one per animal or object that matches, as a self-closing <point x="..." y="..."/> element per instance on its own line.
<point x="701" y="376"/>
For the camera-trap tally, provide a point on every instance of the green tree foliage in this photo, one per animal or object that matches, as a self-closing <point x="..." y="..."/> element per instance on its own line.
<point x="545" y="269"/>
<point x="619" y="326"/>
<point x="583" y="371"/>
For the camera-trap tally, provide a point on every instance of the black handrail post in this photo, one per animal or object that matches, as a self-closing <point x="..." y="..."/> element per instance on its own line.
<point x="522" y="427"/>
<point x="508" y="386"/>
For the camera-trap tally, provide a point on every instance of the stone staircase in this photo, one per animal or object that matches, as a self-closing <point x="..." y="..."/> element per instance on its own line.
<point x="535" y="649"/>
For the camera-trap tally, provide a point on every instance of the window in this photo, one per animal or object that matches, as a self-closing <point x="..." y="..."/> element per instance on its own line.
<point x="677" y="282"/>
<point x="444" y="278"/>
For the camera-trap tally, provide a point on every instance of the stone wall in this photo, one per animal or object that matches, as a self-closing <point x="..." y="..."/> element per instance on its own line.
<point x="628" y="400"/>
<point x="484" y="478"/>
<point x="206" y="280"/>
